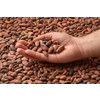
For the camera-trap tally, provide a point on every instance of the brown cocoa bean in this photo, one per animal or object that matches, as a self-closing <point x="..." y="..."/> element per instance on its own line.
<point x="29" y="82"/>
<point x="62" y="81"/>
<point x="39" y="50"/>
<point x="85" y="76"/>
<point x="45" y="53"/>
<point x="76" y="76"/>
<point x="29" y="64"/>
<point x="46" y="39"/>
<point x="16" y="81"/>
<point x="51" y="78"/>
<point x="48" y="44"/>
<point x="79" y="80"/>
<point x="85" y="81"/>
<point x="79" y="72"/>
<point x="18" y="70"/>
<point x="49" y="82"/>
<point x="31" y="47"/>
<point x="4" y="79"/>
<point x="63" y="77"/>
<point x="71" y="72"/>
<point x="12" y="74"/>
<point x="97" y="72"/>
<point x="28" y="68"/>
<point x="44" y="75"/>
<point x="55" y="80"/>
<point x="30" y="72"/>
<point x="25" y="78"/>
<point x="43" y="79"/>
<point x="60" y="48"/>
<point x="93" y="81"/>
<point x="94" y="76"/>
<point x="38" y="82"/>
<point x="35" y="48"/>
<point x="44" y="47"/>
<point x="55" y="42"/>
<point x="51" y="49"/>
<point x="25" y="82"/>
<point x="98" y="78"/>
<point x="9" y="77"/>
<point x="98" y="67"/>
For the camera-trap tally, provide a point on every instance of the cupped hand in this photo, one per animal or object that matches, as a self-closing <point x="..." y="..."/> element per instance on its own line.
<point x="72" y="48"/>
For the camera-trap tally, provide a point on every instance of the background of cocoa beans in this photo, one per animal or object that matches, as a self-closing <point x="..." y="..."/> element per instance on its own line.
<point x="16" y="69"/>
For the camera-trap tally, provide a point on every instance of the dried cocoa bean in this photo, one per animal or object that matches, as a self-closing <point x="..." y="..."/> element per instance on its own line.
<point x="45" y="53"/>
<point x="48" y="44"/>
<point x="44" y="47"/>
<point x="63" y="77"/>
<point x="50" y="50"/>
<point x="79" y="80"/>
<point x="38" y="82"/>
<point x="60" y="48"/>
<point x="43" y="79"/>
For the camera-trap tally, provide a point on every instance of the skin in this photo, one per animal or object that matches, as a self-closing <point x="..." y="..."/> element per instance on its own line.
<point x="76" y="48"/>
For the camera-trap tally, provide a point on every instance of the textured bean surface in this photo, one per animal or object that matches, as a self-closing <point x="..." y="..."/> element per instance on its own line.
<point x="16" y="69"/>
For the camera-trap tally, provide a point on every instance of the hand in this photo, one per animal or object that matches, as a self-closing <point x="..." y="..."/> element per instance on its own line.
<point x="73" y="50"/>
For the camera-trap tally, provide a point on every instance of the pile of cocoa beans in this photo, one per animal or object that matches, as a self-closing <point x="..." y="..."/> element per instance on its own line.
<point x="16" y="69"/>
<point x="46" y="47"/>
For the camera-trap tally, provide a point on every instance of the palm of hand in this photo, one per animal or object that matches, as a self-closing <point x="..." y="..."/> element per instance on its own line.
<point x="70" y="53"/>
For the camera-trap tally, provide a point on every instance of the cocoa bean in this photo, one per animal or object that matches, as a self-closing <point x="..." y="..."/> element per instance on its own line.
<point x="29" y="82"/>
<point x="51" y="49"/>
<point x="25" y="78"/>
<point x="38" y="82"/>
<point x="35" y="48"/>
<point x="16" y="81"/>
<point x="44" y="47"/>
<point x="71" y="72"/>
<point x="94" y="76"/>
<point x="51" y="78"/>
<point x="97" y="78"/>
<point x="79" y="80"/>
<point x="29" y="64"/>
<point x="30" y="72"/>
<point x="98" y="67"/>
<point x="31" y="47"/>
<point x="4" y="79"/>
<point x="55" y="80"/>
<point x="60" y="48"/>
<point x="97" y="72"/>
<point x="85" y="76"/>
<point x="39" y="50"/>
<point x="12" y="74"/>
<point x="63" y="77"/>
<point x="45" y="53"/>
<point x="43" y="79"/>
<point x="48" y="44"/>
<point x="46" y="39"/>
<point x="18" y="70"/>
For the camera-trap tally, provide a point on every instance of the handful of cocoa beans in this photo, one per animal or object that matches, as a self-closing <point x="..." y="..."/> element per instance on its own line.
<point x="46" y="47"/>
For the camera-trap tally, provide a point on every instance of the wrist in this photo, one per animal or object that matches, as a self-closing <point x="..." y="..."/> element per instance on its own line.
<point x="89" y="44"/>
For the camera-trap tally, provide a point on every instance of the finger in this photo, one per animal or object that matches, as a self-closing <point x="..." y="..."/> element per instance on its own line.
<point x="23" y="42"/>
<point x="36" y="55"/>
<point x="41" y="37"/>
<point x="42" y="57"/>
<point x="20" y="45"/>
<point x="22" y="52"/>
